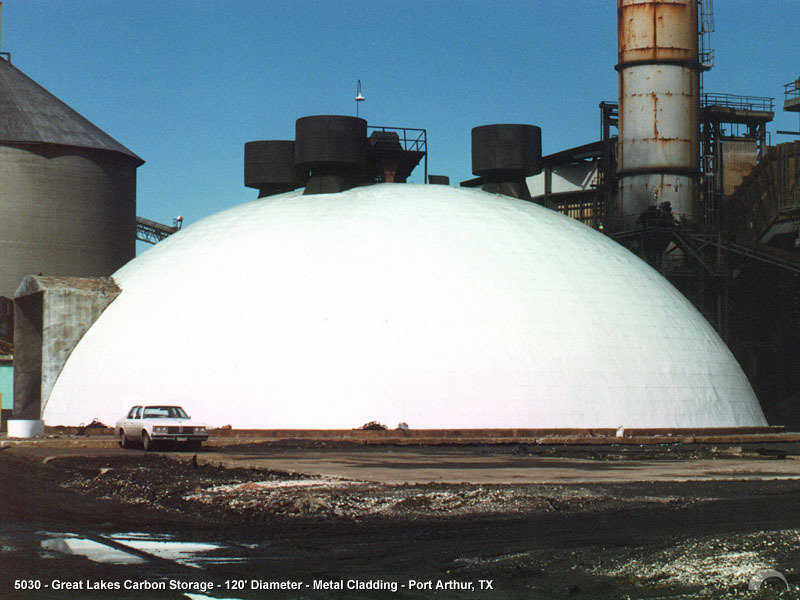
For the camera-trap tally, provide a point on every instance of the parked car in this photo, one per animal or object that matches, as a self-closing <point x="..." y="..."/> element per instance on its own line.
<point x="150" y="425"/>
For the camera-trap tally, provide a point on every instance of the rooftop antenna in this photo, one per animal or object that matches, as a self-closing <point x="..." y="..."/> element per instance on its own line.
<point x="359" y="95"/>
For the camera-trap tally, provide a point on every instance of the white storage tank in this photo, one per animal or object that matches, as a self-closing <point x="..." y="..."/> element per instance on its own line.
<point x="436" y="306"/>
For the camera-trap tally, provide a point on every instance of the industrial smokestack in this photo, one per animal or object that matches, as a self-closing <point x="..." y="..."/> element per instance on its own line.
<point x="658" y="107"/>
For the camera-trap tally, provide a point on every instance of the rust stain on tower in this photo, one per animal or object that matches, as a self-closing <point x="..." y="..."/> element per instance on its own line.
<point x="658" y="114"/>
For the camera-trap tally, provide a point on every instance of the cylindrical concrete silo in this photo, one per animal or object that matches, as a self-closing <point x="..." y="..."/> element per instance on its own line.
<point x="658" y="106"/>
<point x="67" y="189"/>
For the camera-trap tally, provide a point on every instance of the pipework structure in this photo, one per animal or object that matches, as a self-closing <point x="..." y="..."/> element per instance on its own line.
<point x="152" y="232"/>
<point x="733" y="137"/>
<point x="581" y="182"/>
<point x="658" y="108"/>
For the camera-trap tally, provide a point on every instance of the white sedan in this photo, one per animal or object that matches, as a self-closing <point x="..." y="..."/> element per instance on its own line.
<point x="149" y="425"/>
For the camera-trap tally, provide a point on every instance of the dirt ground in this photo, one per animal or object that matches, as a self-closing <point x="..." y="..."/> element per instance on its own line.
<point x="676" y="521"/>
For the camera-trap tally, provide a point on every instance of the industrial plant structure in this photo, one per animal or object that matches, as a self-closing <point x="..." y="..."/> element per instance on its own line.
<point x="332" y="154"/>
<point x="658" y="150"/>
<point x="363" y="298"/>
<point x="692" y="184"/>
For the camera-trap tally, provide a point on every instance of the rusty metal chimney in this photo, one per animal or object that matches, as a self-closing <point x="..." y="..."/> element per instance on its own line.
<point x="658" y="107"/>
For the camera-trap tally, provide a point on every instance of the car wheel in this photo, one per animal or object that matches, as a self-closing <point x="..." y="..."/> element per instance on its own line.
<point x="147" y="443"/>
<point x="193" y="445"/>
<point x="123" y="441"/>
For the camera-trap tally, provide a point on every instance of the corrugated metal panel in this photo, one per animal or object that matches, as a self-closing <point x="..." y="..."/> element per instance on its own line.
<point x="31" y="114"/>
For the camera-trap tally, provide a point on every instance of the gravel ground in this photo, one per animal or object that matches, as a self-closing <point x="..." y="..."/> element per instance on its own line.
<point x="665" y="540"/>
<point x="252" y="495"/>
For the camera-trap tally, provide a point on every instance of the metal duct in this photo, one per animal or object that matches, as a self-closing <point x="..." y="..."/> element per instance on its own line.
<point x="503" y="155"/>
<point x="658" y="107"/>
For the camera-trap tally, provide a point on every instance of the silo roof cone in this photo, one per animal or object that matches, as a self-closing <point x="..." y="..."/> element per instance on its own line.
<point x="31" y="114"/>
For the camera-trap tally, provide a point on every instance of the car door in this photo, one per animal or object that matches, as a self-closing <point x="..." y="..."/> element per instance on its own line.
<point x="138" y="423"/>
<point x="131" y="429"/>
<point x="124" y="423"/>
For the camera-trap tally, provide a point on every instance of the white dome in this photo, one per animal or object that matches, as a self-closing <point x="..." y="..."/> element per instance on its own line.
<point x="431" y="305"/>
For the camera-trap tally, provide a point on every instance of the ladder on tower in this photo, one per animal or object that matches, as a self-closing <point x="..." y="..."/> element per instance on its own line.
<point x="705" y="56"/>
<point x="705" y="26"/>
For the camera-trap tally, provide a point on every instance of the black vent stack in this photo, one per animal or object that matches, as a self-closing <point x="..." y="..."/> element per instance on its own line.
<point x="503" y="155"/>
<point x="269" y="167"/>
<point x="330" y="152"/>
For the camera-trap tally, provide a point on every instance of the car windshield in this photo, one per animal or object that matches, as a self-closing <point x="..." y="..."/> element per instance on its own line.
<point x="164" y="412"/>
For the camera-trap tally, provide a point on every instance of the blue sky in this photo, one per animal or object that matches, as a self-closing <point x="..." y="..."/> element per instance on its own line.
<point x="185" y="83"/>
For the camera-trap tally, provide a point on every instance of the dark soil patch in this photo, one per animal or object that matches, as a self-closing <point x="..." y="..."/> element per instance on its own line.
<point x="534" y="541"/>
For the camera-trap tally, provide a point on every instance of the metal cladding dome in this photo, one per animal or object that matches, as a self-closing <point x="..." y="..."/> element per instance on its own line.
<point x="435" y="306"/>
<point x="31" y="114"/>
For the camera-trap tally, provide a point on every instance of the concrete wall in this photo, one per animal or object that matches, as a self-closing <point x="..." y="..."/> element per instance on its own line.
<point x="51" y="316"/>
<point x="28" y="315"/>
